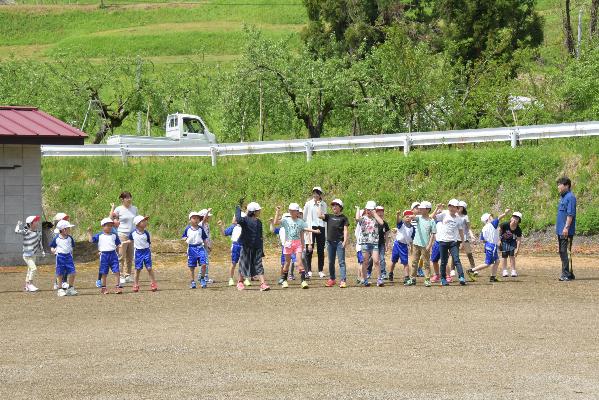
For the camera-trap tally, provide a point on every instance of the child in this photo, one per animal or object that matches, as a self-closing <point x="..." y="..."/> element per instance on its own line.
<point x="234" y="231"/>
<point x="294" y="229"/>
<point x="115" y="225"/>
<point x="32" y="244"/>
<point x="424" y="237"/>
<point x="194" y="236"/>
<point x="511" y="237"/>
<point x="383" y="231"/>
<point x="416" y="210"/>
<point x="337" y="235"/>
<point x="280" y="231"/>
<point x="61" y="281"/>
<point x="449" y="231"/>
<point x="108" y="245"/>
<point x="62" y="247"/>
<point x="205" y="215"/>
<point x="490" y="238"/>
<point x="468" y="236"/>
<point x="252" y="251"/>
<point x="143" y="255"/>
<point x="369" y="223"/>
<point x="359" y="256"/>
<point x="403" y="238"/>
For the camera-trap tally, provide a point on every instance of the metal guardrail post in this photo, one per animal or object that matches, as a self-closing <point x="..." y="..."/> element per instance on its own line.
<point x="514" y="138"/>
<point x="406" y="145"/>
<point x="124" y="152"/>
<point x="309" y="149"/>
<point x="213" y="154"/>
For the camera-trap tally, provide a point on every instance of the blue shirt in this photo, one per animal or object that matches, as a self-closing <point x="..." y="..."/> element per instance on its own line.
<point x="565" y="208"/>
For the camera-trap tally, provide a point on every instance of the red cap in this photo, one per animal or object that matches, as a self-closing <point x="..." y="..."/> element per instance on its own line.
<point x="408" y="212"/>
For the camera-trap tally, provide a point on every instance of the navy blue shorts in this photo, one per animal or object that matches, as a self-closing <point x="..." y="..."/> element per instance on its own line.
<point x="143" y="257"/>
<point x="64" y="264"/>
<point x="435" y="253"/>
<point x="360" y="257"/>
<point x="109" y="260"/>
<point x="399" y="253"/>
<point x="196" y="255"/>
<point x="491" y="254"/>
<point x="235" y="252"/>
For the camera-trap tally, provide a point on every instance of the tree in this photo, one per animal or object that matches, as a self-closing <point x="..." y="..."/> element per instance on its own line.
<point x="593" y="22"/>
<point x="567" y="26"/>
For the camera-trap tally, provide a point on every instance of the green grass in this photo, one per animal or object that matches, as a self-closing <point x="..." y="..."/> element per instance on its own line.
<point x="488" y="178"/>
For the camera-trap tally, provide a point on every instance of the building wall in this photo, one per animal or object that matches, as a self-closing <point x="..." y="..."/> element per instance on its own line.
<point x="20" y="196"/>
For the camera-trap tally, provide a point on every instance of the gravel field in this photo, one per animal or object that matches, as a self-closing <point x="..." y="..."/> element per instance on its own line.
<point x="530" y="337"/>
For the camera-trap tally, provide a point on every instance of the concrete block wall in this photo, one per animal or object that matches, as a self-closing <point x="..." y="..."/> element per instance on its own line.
<point x="20" y="196"/>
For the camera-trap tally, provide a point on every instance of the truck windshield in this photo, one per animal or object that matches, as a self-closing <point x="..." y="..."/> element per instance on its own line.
<point x="192" y="125"/>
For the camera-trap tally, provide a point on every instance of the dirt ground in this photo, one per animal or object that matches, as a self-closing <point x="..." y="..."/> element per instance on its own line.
<point x="530" y="337"/>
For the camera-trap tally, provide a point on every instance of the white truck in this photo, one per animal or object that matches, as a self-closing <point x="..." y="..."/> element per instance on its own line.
<point x="185" y="128"/>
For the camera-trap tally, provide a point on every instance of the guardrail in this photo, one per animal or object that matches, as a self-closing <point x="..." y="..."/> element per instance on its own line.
<point x="401" y="140"/>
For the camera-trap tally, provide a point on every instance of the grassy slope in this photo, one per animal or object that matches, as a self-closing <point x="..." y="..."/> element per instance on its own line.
<point x="488" y="178"/>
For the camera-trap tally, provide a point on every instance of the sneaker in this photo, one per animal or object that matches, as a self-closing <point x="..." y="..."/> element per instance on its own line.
<point x="321" y="274"/>
<point x="203" y="283"/>
<point x="384" y="275"/>
<point x="71" y="292"/>
<point x="118" y="290"/>
<point x="563" y="279"/>
<point x="330" y="283"/>
<point x="135" y="288"/>
<point x="476" y="273"/>
<point x="435" y="278"/>
<point x="406" y="279"/>
<point x="492" y="279"/>
<point x="98" y="283"/>
<point x="304" y="285"/>
<point x="61" y="292"/>
<point x="128" y="279"/>
<point x="342" y="285"/>
<point x="55" y="286"/>
<point x="291" y="278"/>
<point x="122" y="280"/>
<point x="264" y="287"/>
<point x="240" y="285"/>
<point x="366" y="283"/>
<point x="368" y="276"/>
<point x="444" y="282"/>
<point x="309" y="274"/>
<point x="231" y="282"/>
<point x="427" y="282"/>
<point x="471" y="275"/>
<point x="497" y="279"/>
<point x="281" y="280"/>
<point x="65" y="285"/>
<point x="359" y="281"/>
<point x="209" y="281"/>
<point x="247" y="282"/>
<point x="420" y="272"/>
<point x="390" y="276"/>
<point x="153" y="287"/>
<point x="380" y="282"/>
<point x="192" y="285"/>
<point x="285" y="284"/>
<point x="462" y="281"/>
<point x="504" y="273"/>
<point x="514" y="274"/>
<point x="409" y="282"/>
<point x="452" y="273"/>
<point x="449" y="279"/>
<point x="103" y="290"/>
<point x="30" y="287"/>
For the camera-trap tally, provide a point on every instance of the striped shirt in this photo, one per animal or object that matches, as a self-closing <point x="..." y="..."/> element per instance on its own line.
<point x="32" y="240"/>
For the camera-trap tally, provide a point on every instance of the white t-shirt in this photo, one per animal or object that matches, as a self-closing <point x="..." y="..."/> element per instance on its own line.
<point x="464" y="223"/>
<point x="126" y="216"/>
<point x="106" y="242"/>
<point x="141" y="240"/>
<point x="236" y="233"/>
<point x="311" y="213"/>
<point x="404" y="233"/>
<point x="193" y="236"/>
<point x="63" y="245"/>
<point x="448" y="227"/>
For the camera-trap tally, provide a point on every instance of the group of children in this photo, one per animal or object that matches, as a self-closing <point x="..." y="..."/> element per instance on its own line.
<point x="427" y="236"/>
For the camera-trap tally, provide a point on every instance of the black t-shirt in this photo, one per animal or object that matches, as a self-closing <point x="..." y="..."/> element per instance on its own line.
<point x="508" y="235"/>
<point x="383" y="229"/>
<point x="335" y="224"/>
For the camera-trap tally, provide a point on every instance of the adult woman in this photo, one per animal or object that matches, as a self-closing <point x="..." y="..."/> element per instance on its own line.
<point x="125" y="214"/>
<point x="311" y="216"/>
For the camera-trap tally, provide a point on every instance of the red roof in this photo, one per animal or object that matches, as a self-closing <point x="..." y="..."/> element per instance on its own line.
<point x="28" y="125"/>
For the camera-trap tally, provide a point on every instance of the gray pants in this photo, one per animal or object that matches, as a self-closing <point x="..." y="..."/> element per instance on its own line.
<point x="250" y="262"/>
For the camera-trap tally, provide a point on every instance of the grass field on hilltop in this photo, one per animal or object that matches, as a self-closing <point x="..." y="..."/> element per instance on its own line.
<point x="489" y="178"/>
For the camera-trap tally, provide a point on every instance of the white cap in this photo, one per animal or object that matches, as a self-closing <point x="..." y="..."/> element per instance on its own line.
<point x="454" y="202"/>
<point x="415" y="204"/>
<point x="380" y="208"/>
<point x="462" y="204"/>
<point x="425" y="204"/>
<point x="253" y="206"/>
<point x="286" y="215"/>
<point x="32" y="218"/>
<point x="517" y="214"/>
<point x="294" y="207"/>
<point x="318" y="188"/>
<point x="204" y="213"/>
<point x="338" y="202"/>
<point x="62" y="224"/>
<point x="194" y="213"/>
<point x="138" y="219"/>
<point x="370" y="205"/>
<point x="60" y="217"/>
<point x="106" y="221"/>
<point x="485" y="217"/>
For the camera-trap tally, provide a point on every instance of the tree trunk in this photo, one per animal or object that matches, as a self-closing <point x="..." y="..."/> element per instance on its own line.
<point x="569" y="37"/>
<point x="101" y="134"/>
<point x="593" y="23"/>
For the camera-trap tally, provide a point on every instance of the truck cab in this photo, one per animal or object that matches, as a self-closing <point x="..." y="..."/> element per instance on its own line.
<point x="188" y="127"/>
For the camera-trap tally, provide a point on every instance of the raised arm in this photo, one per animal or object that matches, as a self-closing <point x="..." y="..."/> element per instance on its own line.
<point x="507" y="211"/>
<point x="358" y="216"/>
<point x="277" y="219"/>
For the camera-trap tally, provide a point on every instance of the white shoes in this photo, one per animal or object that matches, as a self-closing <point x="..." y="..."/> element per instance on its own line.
<point x="61" y="293"/>
<point x="125" y="279"/>
<point x="71" y="292"/>
<point x="514" y="273"/>
<point x="55" y="286"/>
<point x="504" y="273"/>
<point x="452" y="273"/>
<point x="30" y="287"/>
<point x="310" y="274"/>
<point x="65" y="285"/>
<point x="321" y="274"/>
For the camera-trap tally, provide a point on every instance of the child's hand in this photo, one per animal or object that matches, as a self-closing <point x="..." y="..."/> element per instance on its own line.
<point x="210" y="209"/>
<point x="89" y="230"/>
<point x="219" y="223"/>
<point x="507" y="211"/>
<point x="440" y="206"/>
<point x="271" y="220"/>
<point x="278" y="208"/>
<point x="112" y="205"/>
<point x="241" y="200"/>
